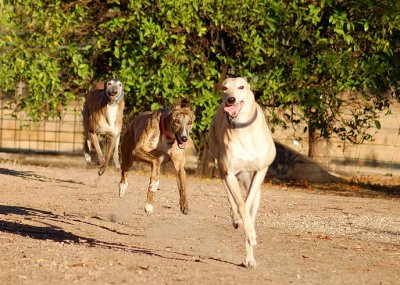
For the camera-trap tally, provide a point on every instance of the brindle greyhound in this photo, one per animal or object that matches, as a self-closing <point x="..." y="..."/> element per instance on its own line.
<point x="102" y="115"/>
<point x="158" y="137"/>
<point x="241" y="142"/>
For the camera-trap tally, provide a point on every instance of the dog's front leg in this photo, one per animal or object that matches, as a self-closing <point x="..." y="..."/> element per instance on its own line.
<point x="95" y="141"/>
<point x="232" y="185"/>
<point x="253" y="188"/>
<point x="179" y="164"/>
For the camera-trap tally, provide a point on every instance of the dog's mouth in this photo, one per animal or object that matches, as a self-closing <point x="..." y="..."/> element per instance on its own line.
<point x="113" y="95"/>
<point x="181" y="141"/>
<point x="233" y="109"/>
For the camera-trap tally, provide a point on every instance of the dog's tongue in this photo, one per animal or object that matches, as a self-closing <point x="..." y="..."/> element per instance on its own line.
<point x="232" y="110"/>
<point x="181" y="145"/>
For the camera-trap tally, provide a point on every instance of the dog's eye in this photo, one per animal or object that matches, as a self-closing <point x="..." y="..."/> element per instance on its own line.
<point x="190" y="122"/>
<point x="224" y="88"/>
<point x="241" y="87"/>
<point x="176" y="121"/>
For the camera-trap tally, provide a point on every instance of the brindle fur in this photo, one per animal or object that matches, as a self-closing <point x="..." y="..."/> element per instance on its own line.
<point x="144" y="141"/>
<point x="101" y="118"/>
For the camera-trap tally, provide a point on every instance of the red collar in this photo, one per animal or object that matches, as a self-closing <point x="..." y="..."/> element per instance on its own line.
<point x="163" y="132"/>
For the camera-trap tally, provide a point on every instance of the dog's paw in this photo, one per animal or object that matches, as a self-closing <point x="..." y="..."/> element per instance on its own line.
<point x="250" y="262"/>
<point x="185" y="210"/>
<point x="101" y="170"/>
<point x="122" y="188"/>
<point x="148" y="209"/>
<point x="117" y="166"/>
<point x="88" y="158"/>
<point x="101" y="161"/>
<point x="236" y="222"/>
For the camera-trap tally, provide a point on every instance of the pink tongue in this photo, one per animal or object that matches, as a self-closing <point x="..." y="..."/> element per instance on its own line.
<point x="232" y="109"/>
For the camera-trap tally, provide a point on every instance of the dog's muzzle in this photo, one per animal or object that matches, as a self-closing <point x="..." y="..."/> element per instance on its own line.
<point x="232" y="108"/>
<point x="181" y="140"/>
<point x="113" y="94"/>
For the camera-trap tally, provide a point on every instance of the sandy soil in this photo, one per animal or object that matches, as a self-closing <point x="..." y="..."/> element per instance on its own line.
<point x="68" y="226"/>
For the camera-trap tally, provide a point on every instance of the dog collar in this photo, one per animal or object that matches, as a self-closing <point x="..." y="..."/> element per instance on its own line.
<point x="162" y="123"/>
<point x="108" y="99"/>
<point x="242" y="125"/>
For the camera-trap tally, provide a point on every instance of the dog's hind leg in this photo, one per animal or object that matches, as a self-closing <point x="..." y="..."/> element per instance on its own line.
<point x="254" y="191"/>
<point x="236" y="220"/>
<point x="153" y="185"/>
<point x="127" y="161"/>
<point x="123" y="184"/>
<point x="117" y="164"/>
<point x="144" y="155"/>
<point x="232" y="186"/>
<point x="93" y="138"/>
<point x="245" y="178"/>
<point x="110" y="150"/>
<point x="86" y="141"/>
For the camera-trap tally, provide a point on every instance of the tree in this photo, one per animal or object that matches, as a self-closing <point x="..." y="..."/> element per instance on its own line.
<point x="300" y="55"/>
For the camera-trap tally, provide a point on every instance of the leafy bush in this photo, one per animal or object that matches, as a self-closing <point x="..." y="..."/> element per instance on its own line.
<point x="295" y="53"/>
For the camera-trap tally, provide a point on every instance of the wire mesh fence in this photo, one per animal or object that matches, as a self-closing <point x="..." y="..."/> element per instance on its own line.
<point x="54" y="136"/>
<point x="381" y="156"/>
<point x="65" y="136"/>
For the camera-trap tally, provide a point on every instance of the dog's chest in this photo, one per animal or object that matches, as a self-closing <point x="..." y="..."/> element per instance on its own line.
<point x="112" y="114"/>
<point x="246" y="152"/>
<point x="107" y="123"/>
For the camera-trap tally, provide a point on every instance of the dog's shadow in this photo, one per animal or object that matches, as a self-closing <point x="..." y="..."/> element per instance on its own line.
<point x="30" y="175"/>
<point x="57" y="234"/>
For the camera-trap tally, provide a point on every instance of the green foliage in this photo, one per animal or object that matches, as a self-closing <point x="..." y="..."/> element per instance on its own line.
<point x="299" y="55"/>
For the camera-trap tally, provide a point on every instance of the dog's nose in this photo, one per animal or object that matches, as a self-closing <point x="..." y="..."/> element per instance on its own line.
<point x="231" y="100"/>
<point x="184" y="138"/>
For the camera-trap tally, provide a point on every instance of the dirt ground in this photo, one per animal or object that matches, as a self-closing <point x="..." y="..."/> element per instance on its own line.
<point x="68" y="226"/>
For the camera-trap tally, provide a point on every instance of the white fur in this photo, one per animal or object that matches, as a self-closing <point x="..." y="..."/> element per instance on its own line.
<point x="122" y="188"/>
<point x="148" y="208"/>
<point x="153" y="186"/>
<point x="112" y="112"/>
<point x="243" y="155"/>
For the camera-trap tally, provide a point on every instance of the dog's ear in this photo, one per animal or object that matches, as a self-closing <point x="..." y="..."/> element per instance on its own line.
<point x="218" y="87"/>
<point x="186" y="104"/>
<point x="178" y="104"/>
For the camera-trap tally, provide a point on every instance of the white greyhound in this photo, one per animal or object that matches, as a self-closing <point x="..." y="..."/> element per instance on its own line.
<point x="242" y="144"/>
